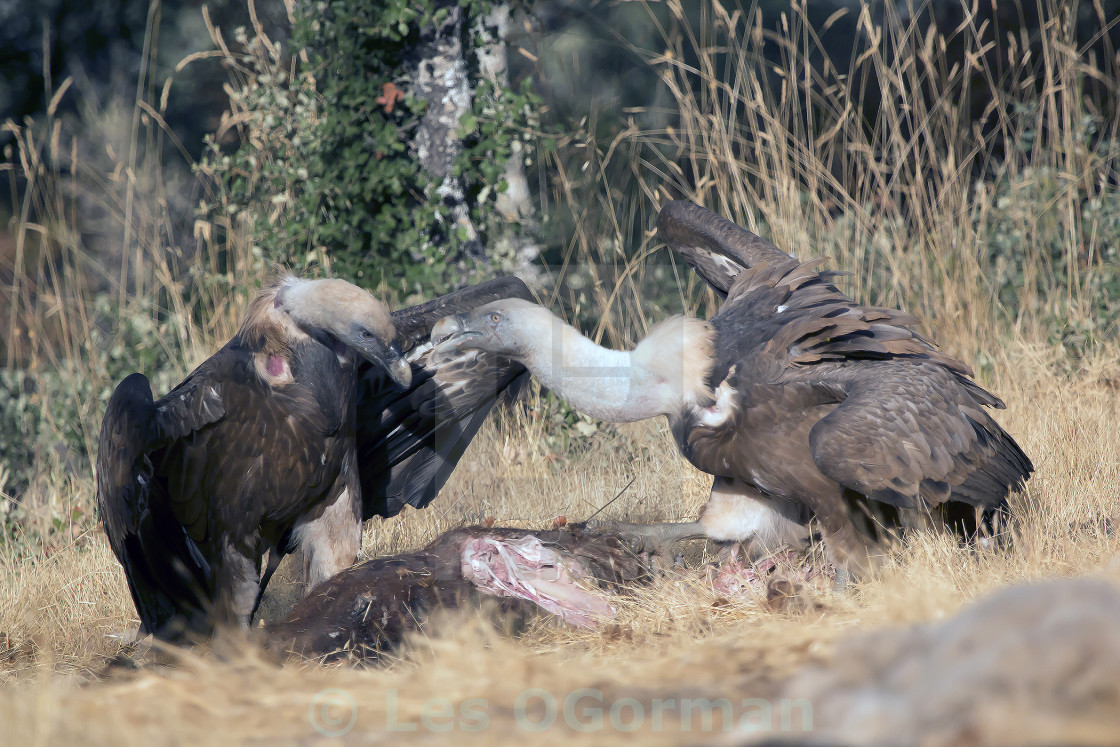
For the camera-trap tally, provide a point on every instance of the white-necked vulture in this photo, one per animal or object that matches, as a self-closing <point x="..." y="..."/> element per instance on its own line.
<point x="803" y="403"/>
<point x="323" y="410"/>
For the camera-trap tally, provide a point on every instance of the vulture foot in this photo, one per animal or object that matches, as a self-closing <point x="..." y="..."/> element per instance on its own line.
<point x="659" y="541"/>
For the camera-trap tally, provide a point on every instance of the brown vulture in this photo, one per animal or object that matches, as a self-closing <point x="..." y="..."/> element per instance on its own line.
<point x="801" y="402"/>
<point x="322" y="411"/>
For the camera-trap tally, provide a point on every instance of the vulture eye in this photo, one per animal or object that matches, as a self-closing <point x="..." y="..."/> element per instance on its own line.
<point x="495" y="317"/>
<point x="366" y="334"/>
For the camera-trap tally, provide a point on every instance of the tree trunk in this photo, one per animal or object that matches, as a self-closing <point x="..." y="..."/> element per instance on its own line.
<point x="442" y="78"/>
<point x="516" y="251"/>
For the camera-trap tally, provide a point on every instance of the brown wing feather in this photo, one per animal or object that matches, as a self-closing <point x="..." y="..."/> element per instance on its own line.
<point x="409" y="441"/>
<point x="167" y="576"/>
<point x="775" y="300"/>
<point x="913" y="437"/>
<point x="195" y="403"/>
<point x="715" y="247"/>
<point x="779" y="316"/>
<point x="133" y="429"/>
<point x="123" y="469"/>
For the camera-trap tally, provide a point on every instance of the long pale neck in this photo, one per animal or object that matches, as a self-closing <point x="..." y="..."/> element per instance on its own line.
<point x="610" y="385"/>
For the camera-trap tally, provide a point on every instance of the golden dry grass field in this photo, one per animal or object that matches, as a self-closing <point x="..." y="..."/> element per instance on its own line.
<point x="917" y="231"/>
<point x="674" y="639"/>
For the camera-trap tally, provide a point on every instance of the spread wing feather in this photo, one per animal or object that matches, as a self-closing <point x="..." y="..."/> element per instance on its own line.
<point x="716" y="248"/>
<point x="785" y="316"/>
<point x="410" y="441"/>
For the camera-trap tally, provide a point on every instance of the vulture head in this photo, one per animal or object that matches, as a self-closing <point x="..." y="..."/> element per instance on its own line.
<point x="337" y="311"/>
<point x="510" y="328"/>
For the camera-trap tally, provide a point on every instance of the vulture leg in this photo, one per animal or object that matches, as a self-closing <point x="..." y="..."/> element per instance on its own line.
<point x="331" y="541"/>
<point x="274" y="558"/>
<point x="738" y="513"/>
<point x="657" y="539"/>
<point x="856" y="538"/>
<point x="237" y="586"/>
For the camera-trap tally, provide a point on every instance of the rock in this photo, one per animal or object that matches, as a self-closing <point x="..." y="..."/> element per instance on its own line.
<point x="1030" y="664"/>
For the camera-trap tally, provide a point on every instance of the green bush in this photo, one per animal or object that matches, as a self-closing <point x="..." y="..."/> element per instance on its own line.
<point x="45" y="414"/>
<point x="1045" y="232"/>
<point x="324" y="171"/>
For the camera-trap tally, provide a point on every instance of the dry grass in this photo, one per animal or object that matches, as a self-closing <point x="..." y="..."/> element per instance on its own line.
<point x="671" y="639"/>
<point x="913" y="237"/>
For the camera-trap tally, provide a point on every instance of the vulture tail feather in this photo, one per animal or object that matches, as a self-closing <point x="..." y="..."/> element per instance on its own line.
<point x="1006" y="469"/>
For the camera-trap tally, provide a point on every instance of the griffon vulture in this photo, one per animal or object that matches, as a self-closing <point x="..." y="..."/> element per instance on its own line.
<point x="322" y="411"/>
<point x="801" y="402"/>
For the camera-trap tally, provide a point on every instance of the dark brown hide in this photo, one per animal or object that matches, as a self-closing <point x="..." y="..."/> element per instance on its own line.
<point x="368" y="609"/>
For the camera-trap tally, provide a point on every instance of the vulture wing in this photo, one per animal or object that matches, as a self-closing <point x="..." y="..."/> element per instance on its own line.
<point x="789" y="316"/>
<point x="166" y="572"/>
<point x="913" y="434"/>
<point x="914" y="438"/>
<point x="715" y="247"/>
<point x="410" y="441"/>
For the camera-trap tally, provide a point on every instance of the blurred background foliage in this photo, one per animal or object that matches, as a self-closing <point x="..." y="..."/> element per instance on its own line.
<point x="958" y="157"/>
<point x="326" y="166"/>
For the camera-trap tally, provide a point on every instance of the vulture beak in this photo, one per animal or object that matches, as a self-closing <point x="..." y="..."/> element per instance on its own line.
<point x="451" y="331"/>
<point x="399" y="369"/>
<point x="389" y="357"/>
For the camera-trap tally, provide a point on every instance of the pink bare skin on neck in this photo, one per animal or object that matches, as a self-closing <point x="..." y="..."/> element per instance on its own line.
<point x="275" y="365"/>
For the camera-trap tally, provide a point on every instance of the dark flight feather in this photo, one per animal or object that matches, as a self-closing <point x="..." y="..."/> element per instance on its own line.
<point x="410" y="441"/>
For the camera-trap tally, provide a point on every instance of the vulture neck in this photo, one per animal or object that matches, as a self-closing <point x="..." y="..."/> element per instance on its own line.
<point x="665" y="373"/>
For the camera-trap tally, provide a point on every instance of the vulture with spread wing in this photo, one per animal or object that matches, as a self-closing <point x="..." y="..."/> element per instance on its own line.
<point x="323" y="410"/>
<point x="801" y="402"/>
